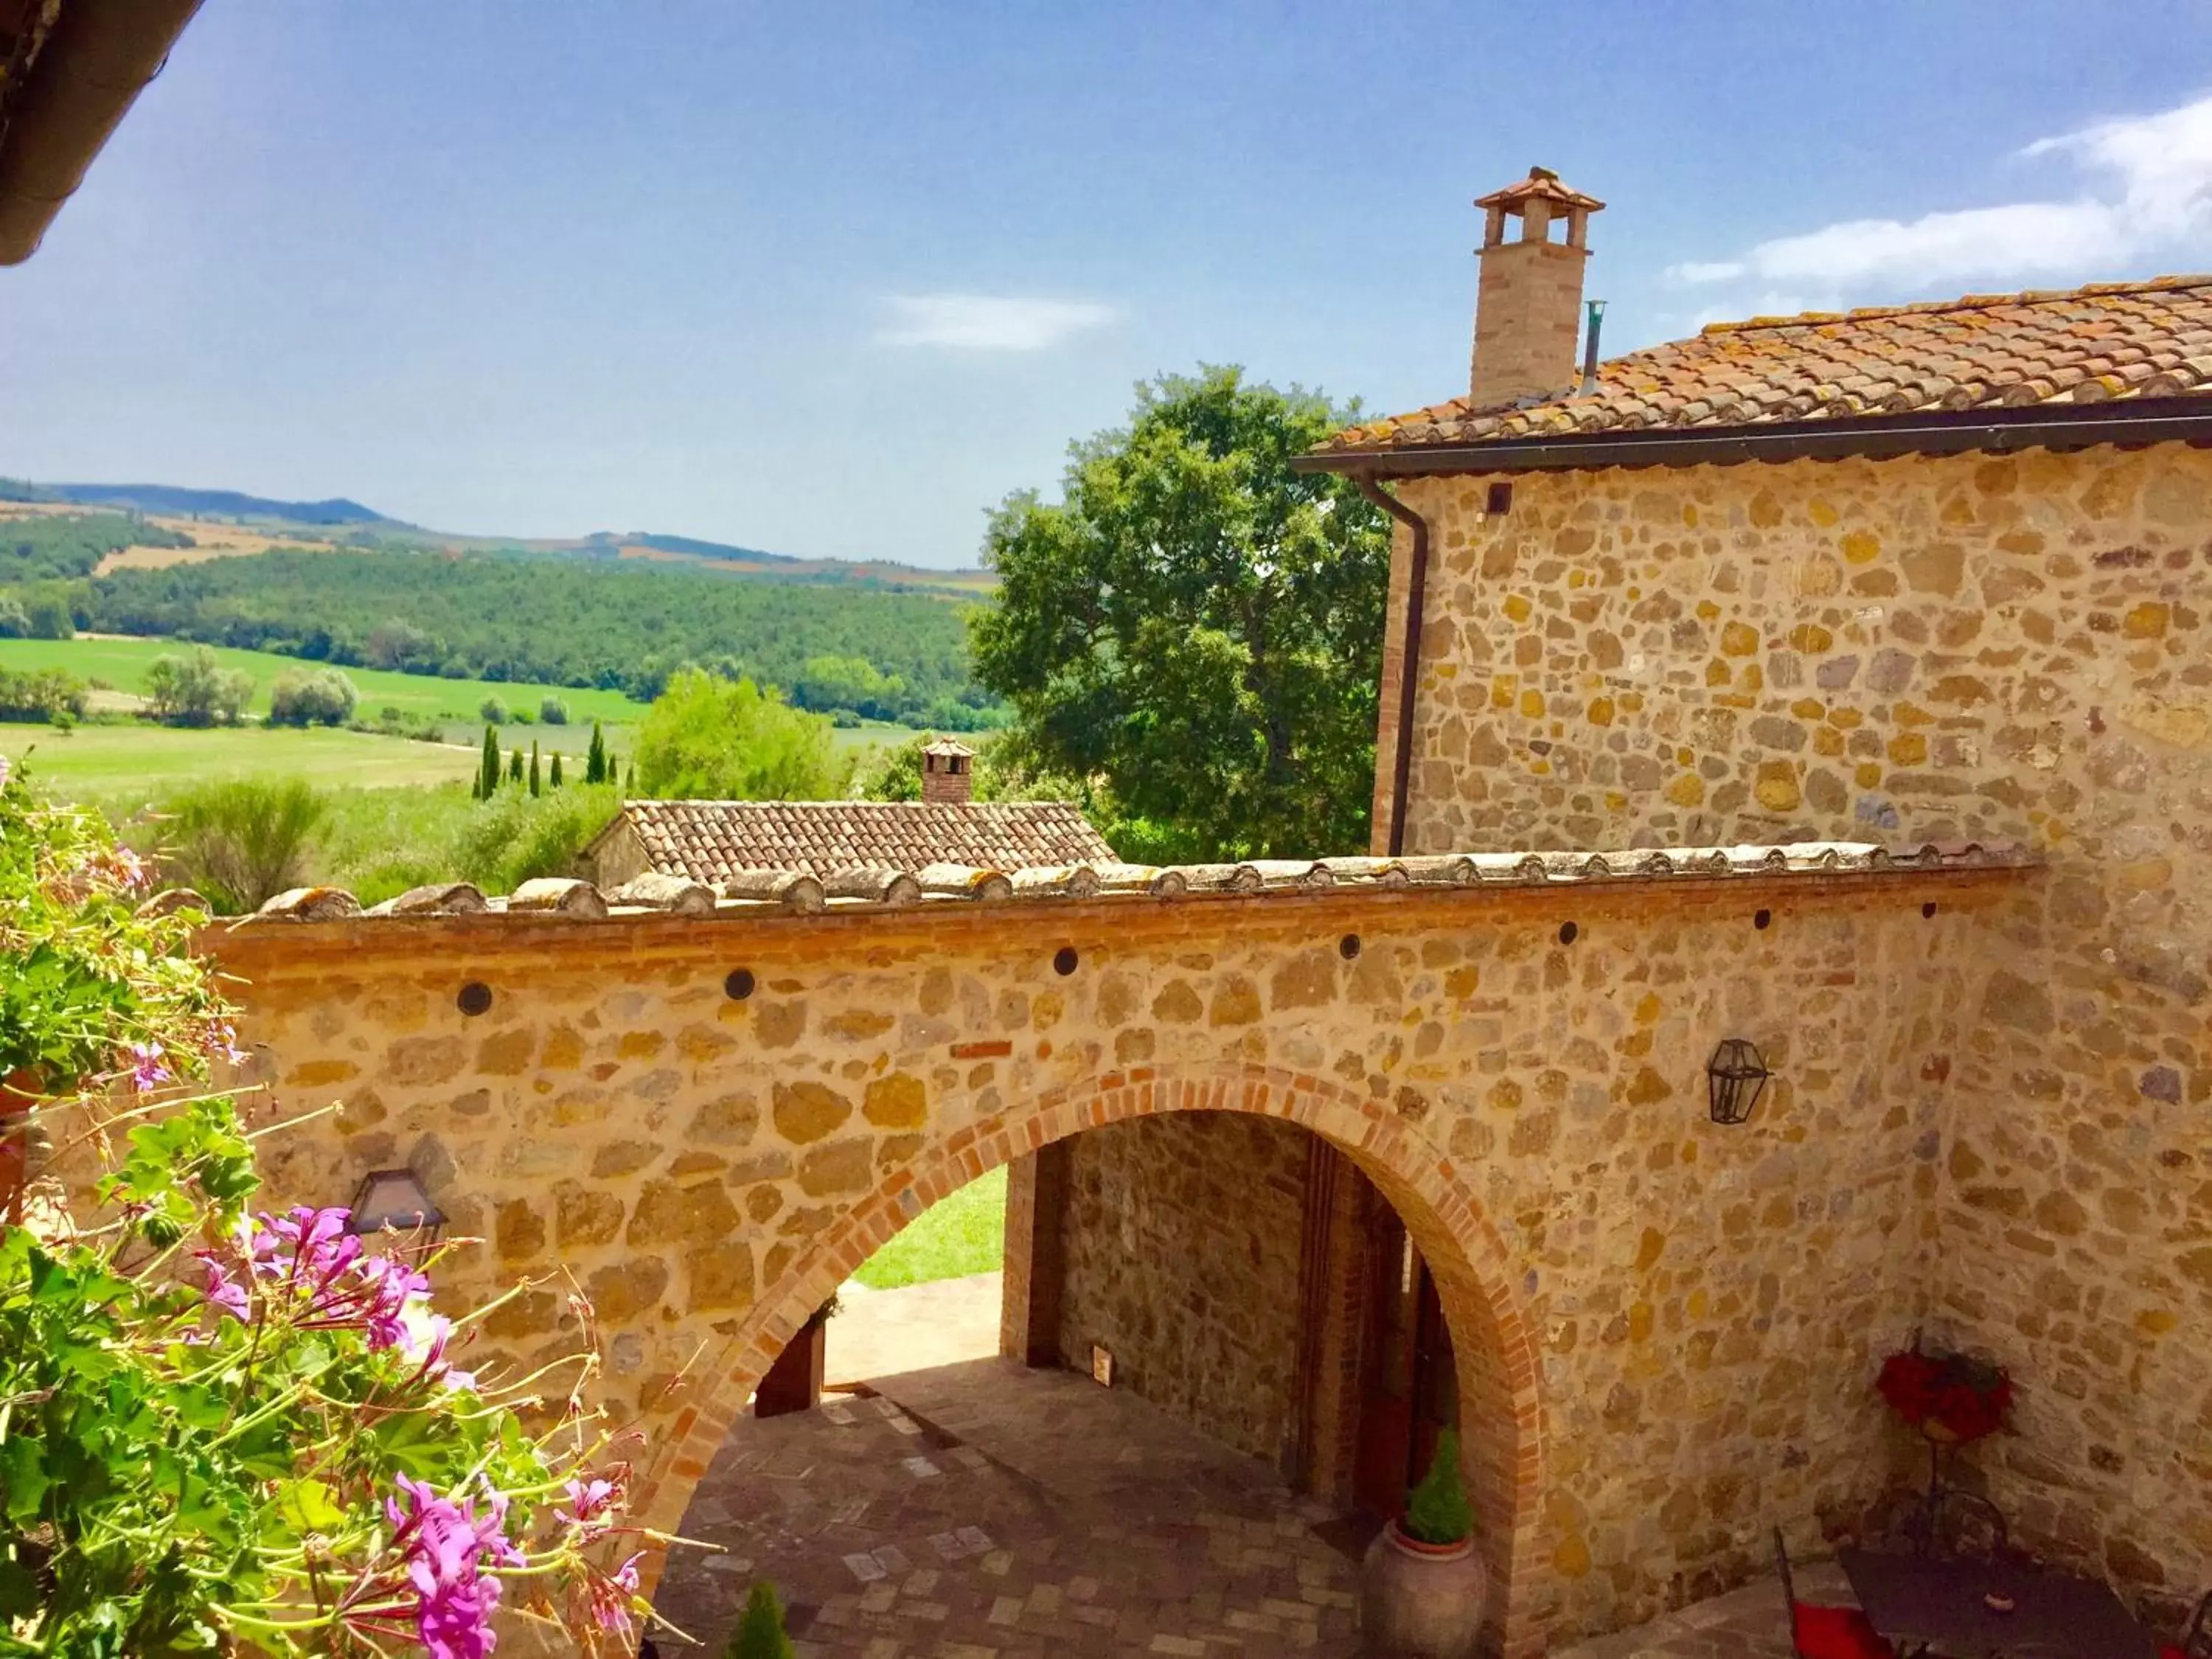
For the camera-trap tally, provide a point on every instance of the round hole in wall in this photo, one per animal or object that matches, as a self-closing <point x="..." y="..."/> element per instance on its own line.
<point x="1569" y="933"/>
<point x="475" y="999"/>
<point x="739" y="985"/>
<point x="1064" y="960"/>
<point x="1762" y="919"/>
<point x="1928" y="908"/>
<point x="1348" y="946"/>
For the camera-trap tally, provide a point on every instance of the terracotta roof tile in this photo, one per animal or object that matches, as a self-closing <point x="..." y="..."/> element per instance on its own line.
<point x="2110" y="340"/>
<point x="710" y="841"/>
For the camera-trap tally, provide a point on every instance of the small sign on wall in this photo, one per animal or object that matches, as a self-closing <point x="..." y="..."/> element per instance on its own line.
<point x="1102" y="1366"/>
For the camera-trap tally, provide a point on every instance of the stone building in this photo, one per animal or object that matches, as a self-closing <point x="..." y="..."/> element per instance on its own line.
<point x="1839" y="684"/>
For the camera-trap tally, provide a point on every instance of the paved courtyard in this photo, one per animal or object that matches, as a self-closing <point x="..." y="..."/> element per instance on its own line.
<point x="983" y="1509"/>
<point x="944" y="1503"/>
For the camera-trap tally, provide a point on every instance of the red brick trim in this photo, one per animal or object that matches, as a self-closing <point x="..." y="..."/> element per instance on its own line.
<point x="1502" y="1410"/>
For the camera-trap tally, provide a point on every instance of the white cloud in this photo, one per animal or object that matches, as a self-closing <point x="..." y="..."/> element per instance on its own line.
<point x="989" y="322"/>
<point x="2148" y="192"/>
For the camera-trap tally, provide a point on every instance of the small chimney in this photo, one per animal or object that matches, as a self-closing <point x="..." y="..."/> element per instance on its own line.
<point x="1529" y="301"/>
<point x="948" y="771"/>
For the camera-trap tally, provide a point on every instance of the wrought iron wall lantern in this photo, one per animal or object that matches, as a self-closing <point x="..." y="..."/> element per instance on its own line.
<point x="1735" y="1077"/>
<point x="393" y="1200"/>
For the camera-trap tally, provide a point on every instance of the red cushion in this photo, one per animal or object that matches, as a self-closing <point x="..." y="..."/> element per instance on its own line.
<point x="1836" y="1634"/>
<point x="2169" y="1651"/>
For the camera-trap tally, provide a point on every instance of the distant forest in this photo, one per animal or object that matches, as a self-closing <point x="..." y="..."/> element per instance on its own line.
<point x="890" y="656"/>
<point x="39" y="547"/>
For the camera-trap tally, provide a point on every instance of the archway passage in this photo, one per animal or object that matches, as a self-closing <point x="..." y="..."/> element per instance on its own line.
<point x="1257" y="1274"/>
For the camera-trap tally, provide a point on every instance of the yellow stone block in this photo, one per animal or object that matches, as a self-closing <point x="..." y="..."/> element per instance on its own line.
<point x="1531" y="705"/>
<point x="1908" y="748"/>
<point x="1777" y="787"/>
<point x="1601" y="711"/>
<point x="1688" y="789"/>
<point x="1719" y="673"/>
<point x="1739" y="639"/>
<point x="1862" y="547"/>
<point x="1808" y="708"/>
<point x="2146" y="621"/>
<point x="1517" y="607"/>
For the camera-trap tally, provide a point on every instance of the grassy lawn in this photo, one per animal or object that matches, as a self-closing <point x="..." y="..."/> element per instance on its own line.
<point x="963" y="1234"/>
<point x="124" y="766"/>
<point x="122" y="664"/>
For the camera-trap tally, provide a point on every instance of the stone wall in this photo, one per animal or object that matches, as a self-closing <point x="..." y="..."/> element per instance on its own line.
<point x="1664" y="1328"/>
<point x="1180" y="1239"/>
<point x="2016" y="647"/>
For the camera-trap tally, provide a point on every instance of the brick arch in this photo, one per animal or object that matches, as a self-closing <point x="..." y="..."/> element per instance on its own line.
<point x="1501" y="1407"/>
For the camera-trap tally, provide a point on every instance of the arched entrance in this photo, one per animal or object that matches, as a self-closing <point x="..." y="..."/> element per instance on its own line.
<point x="1473" y="1285"/>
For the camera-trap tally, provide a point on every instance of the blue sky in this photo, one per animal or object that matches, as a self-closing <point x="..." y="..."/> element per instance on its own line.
<point x="832" y="280"/>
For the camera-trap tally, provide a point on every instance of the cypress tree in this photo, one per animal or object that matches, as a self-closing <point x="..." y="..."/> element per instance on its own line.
<point x="488" y="774"/>
<point x="595" y="759"/>
<point x="760" y="1634"/>
<point x="630" y="784"/>
<point x="536" y="787"/>
<point x="514" y="766"/>
<point x="553" y="778"/>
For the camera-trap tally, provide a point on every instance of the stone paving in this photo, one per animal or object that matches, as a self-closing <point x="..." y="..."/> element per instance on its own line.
<point x="1745" y="1623"/>
<point x="984" y="1508"/>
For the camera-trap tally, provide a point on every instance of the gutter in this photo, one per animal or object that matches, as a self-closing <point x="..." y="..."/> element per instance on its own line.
<point x="1409" y="668"/>
<point x="97" y="59"/>
<point x="2132" y="422"/>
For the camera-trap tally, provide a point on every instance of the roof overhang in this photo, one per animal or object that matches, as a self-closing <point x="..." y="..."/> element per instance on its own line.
<point x="2133" y="422"/>
<point x="74" y="70"/>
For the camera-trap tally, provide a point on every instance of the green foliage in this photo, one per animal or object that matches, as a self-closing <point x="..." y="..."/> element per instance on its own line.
<point x="760" y="1633"/>
<point x="553" y="772"/>
<point x="709" y="738"/>
<point x="15" y="621"/>
<point x="43" y="694"/>
<point x="242" y="842"/>
<point x="315" y="696"/>
<point x="514" y="766"/>
<point x="849" y="683"/>
<point x="1198" y="626"/>
<point x="488" y="771"/>
<point x="36" y="547"/>
<point x="203" y="1416"/>
<point x="555" y="622"/>
<point x="517" y="837"/>
<point x="963" y="1232"/>
<point x="553" y="712"/>
<point x="537" y="779"/>
<point x="1436" y="1511"/>
<point x="595" y="758"/>
<point x="195" y="689"/>
<point x="493" y="710"/>
<point x="47" y="614"/>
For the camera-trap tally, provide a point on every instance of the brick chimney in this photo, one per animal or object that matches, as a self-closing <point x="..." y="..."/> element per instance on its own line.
<point x="1527" y="306"/>
<point x="948" y="771"/>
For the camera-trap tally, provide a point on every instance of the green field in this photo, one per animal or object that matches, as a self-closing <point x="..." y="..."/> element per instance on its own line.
<point x="962" y="1234"/>
<point x="122" y="664"/>
<point x="123" y="767"/>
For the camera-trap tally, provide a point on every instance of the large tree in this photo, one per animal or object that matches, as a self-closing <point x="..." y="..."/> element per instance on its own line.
<point x="1199" y="626"/>
<point x="710" y="738"/>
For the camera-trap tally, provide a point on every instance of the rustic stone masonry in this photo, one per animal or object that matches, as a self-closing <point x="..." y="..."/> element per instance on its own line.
<point x="1664" y="1328"/>
<point x="2003" y="647"/>
<point x="1182" y="1242"/>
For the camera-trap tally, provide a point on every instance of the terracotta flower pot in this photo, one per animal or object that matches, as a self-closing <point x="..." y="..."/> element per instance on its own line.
<point x="1421" y="1600"/>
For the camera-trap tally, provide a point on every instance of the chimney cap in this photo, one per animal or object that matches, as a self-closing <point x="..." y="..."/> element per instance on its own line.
<point x="1542" y="185"/>
<point x="948" y="748"/>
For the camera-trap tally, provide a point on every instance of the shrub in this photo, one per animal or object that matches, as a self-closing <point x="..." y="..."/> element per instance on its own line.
<point x="242" y="841"/>
<point x="1436" y="1511"/>
<point x="223" y="1429"/>
<point x="711" y="738"/>
<point x="493" y="711"/>
<point x="316" y="696"/>
<point x="515" y="838"/>
<point x="553" y="712"/>
<point x="760" y="1633"/>
<point x="41" y="693"/>
<point x="15" y="621"/>
<point x="195" y="690"/>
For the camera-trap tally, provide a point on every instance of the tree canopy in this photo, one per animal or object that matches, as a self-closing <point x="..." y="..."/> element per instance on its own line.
<point x="1198" y="626"/>
<point x="710" y="738"/>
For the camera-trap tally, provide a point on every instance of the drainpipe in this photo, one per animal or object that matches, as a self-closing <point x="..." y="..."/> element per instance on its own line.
<point x="1417" y="583"/>
<point x="1589" y="350"/>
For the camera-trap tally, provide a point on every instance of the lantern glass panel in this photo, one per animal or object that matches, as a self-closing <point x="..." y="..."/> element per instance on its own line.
<point x="1736" y="1077"/>
<point x="394" y="1199"/>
